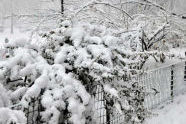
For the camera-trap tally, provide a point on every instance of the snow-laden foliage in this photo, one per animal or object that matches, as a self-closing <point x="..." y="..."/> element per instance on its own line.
<point x="71" y="59"/>
<point x="8" y="116"/>
<point x="96" y="54"/>
<point x="4" y="97"/>
<point x="62" y="69"/>
<point x="27" y="73"/>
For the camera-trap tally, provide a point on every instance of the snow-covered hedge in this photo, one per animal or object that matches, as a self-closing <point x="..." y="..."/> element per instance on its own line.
<point x="67" y="62"/>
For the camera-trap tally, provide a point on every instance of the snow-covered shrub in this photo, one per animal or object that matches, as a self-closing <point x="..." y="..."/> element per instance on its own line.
<point x="61" y="70"/>
<point x="8" y="116"/>
<point x="95" y="54"/>
<point x="71" y="59"/>
<point x="4" y="97"/>
<point x="26" y="73"/>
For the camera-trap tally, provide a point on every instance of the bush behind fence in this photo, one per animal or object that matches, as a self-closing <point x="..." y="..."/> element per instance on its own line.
<point x="161" y="85"/>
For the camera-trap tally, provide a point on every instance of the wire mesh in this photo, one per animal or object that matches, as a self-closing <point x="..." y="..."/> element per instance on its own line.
<point x="32" y="113"/>
<point x="102" y="114"/>
<point x="162" y="84"/>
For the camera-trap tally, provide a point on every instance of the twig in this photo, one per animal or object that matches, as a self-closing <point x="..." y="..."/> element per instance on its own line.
<point x="106" y="4"/>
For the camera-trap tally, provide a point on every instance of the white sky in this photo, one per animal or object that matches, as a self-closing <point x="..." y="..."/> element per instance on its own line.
<point x="32" y="6"/>
<point x="180" y="6"/>
<point x="24" y="6"/>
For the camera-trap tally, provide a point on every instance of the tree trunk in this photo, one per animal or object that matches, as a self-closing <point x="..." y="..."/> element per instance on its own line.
<point x="12" y="18"/>
<point x="62" y="6"/>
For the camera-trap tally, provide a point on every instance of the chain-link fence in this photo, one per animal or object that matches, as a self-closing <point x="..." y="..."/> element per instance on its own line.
<point x="33" y="112"/>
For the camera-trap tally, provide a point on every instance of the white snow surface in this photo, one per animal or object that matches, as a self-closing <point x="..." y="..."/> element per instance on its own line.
<point x="8" y="116"/>
<point x="174" y="113"/>
<point x="4" y="98"/>
<point x="91" y="47"/>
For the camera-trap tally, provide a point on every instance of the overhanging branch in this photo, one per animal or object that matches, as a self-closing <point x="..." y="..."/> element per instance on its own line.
<point x="106" y="4"/>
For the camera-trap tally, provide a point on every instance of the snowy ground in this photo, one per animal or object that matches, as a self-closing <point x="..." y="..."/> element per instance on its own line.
<point x="174" y="113"/>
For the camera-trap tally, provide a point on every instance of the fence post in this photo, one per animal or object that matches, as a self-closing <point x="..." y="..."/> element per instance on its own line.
<point x="185" y="71"/>
<point x="172" y="83"/>
<point x="27" y="114"/>
<point x="106" y="106"/>
<point x="33" y="100"/>
<point x="107" y="114"/>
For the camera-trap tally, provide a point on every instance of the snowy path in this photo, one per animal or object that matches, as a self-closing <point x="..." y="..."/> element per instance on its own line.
<point x="174" y="113"/>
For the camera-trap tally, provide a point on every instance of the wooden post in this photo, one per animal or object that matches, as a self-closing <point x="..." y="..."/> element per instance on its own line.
<point x="172" y="82"/>
<point x="107" y="114"/>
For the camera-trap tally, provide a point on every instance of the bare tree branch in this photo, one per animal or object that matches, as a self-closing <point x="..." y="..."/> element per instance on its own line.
<point x="106" y="4"/>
